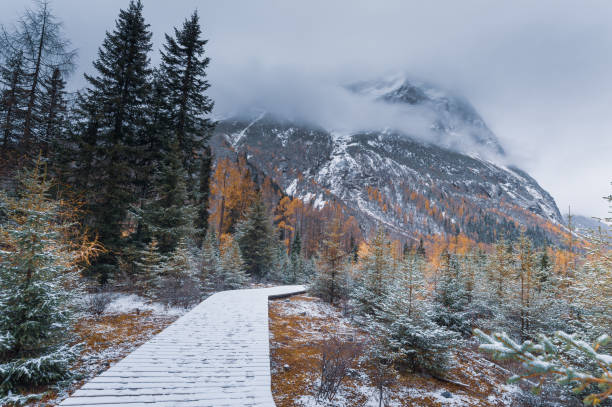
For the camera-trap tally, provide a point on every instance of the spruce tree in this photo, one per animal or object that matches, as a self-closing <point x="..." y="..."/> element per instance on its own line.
<point x="255" y="238"/>
<point x="210" y="276"/>
<point x="118" y="95"/>
<point x="149" y="267"/>
<point x="168" y="217"/>
<point x="183" y="68"/>
<point x="178" y="281"/>
<point x="231" y="265"/>
<point x="374" y="277"/>
<point x="280" y="270"/>
<point x="12" y="101"/>
<point x="452" y="296"/>
<point x="53" y="110"/>
<point x="39" y="285"/>
<point x="39" y="38"/>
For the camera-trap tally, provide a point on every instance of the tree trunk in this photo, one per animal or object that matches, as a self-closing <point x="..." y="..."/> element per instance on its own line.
<point x="27" y="130"/>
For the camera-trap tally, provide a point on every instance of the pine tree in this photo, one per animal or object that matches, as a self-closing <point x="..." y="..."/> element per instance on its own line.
<point x="231" y="265"/>
<point x="451" y="296"/>
<point x="176" y="265"/>
<point x="38" y="37"/>
<point x="421" y="249"/>
<point x="280" y="270"/>
<point x="255" y="238"/>
<point x="210" y="276"/>
<point x="404" y="323"/>
<point x="53" y="111"/>
<point x="374" y="277"/>
<point x="116" y="101"/>
<point x="149" y="267"/>
<point x="183" y="68"/>
<point x="168" y="217"/>
<point x="411" y="280"/>
<point x="39" y="286"/>
<point x="12" y="102"/>
<point x="179" y="282"/>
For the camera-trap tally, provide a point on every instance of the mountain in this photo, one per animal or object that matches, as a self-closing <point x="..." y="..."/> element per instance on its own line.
<point x="447" y="178"/>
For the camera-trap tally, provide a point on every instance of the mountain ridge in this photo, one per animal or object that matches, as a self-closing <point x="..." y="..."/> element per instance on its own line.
<point x="410" y="185"/>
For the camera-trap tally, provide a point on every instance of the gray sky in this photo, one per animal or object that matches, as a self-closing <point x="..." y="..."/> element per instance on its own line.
<point x="539" y="72"/>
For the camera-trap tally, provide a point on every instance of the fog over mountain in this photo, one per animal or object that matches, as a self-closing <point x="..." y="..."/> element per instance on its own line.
<point x="538" y="73"/>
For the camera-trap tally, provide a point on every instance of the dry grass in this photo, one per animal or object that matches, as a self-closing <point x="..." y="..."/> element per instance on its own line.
<point x="106" y="340"/>
<point x="298" y="326"/>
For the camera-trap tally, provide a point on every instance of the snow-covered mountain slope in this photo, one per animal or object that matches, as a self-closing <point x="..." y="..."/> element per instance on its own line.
<point x="454" y="122"/>
<point x="388" y="177"/>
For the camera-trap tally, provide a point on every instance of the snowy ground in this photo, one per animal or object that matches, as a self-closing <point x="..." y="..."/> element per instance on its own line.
<point x="299" y="324"/>
<point x="215" y="355"/>
<point x="127" y="303"/>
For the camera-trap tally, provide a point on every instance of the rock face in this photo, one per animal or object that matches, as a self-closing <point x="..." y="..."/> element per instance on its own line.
<point x="446" y="181"/>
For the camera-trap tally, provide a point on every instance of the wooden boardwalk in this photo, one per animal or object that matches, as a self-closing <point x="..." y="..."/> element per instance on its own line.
<point x="216" y="355"/>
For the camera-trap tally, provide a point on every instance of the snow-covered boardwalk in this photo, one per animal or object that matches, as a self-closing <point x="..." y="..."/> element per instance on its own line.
<point x="216" y="355"/>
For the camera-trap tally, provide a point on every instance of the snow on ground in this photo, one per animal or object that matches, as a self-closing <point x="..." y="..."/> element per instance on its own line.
<point x="126" y="303"/>
<point x="300" y="324"/>
<point x="215" y="355"/>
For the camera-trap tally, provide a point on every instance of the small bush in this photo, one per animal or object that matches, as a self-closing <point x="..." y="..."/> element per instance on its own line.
<point x="182" y="292"/>
<point x="337" y="357"/>
<point x="98" y="301"/>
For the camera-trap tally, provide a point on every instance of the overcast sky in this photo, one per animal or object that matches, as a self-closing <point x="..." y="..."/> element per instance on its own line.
<point x="539" y="72"/>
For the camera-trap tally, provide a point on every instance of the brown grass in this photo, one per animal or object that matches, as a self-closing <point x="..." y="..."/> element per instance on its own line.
<point x="295" y="341"/>
<point x="106" y="340"/>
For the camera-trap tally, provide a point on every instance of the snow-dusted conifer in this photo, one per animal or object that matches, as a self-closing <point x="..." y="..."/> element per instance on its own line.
<point x="231" y="265"/>
<point x="210" y="276"/>
<point x="404" y="323"/>
<point x="374" y="277"/>
<point x="149" y="267"/>
<point x="39" y="284"/>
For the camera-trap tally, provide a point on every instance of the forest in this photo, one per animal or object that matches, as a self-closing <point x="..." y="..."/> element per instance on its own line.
<point x="115" y="187"/>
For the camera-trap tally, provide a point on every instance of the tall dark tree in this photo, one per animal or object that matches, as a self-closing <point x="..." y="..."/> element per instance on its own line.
<point x="38" y="37"/>
<point x="256" y="239"/>
<point x="12" y="101"/>
<point x="183" y="68"/>
<point x="53" y="108"/>
<point x="168" y="217"/>
<point x="116" y="100"/>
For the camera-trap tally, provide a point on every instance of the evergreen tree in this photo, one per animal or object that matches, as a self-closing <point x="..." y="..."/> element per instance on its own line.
<point x="296" y="245"/>
<point x="183" y="68"/>
<point x="53" y="110"/>
<point x="404" y="323"/>
<point x="176" y="265"/>
<point x="374" y="277"/>
<point x="149" y="267"/>
<point x="451" y="296"/>
<point x="231" y="265"/>
<point x="255" y="238"/>
<point x="116" y="101"/>
<point x="168" y="217"/>
<point x="38" y="37"/>
<point x="210" y="275"/>
<point x="39" y="284"/>
<point x="12" y="105"/>
<point x="421" y="249"/>
<point x="178" y="283"/>
<point x="280" y="270"/>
